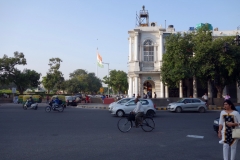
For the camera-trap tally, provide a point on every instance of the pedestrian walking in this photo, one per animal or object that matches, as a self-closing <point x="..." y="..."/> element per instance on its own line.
<point x="138" y="96"/>
<point x="229" y="119"/>
<point x="205" y="98"/>
<point x="47" y="99"/>
<point x="155" y="95"/>
<point x="133" y="95"/>
<point x="103" y="97"/>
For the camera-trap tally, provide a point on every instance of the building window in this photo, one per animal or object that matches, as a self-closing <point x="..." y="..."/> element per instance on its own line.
<point x="148" y="50"/>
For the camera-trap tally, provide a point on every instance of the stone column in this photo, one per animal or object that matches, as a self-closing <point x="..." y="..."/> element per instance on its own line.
<point x="136" y="86"/>
<point x="225" y="91"/>
<point x="130" y="93"/>
<point x="160" y="48"/>
<point x="130" y="49"/>
<point x="166" y="92"/>
<point x="209" y="90"/>
<point x="161" y="89"/>
<point x="155" y="53"/>
<point x="238" y="94"/>
<point x="136" y="47"/>
<point x="195" y="95"/>
<point x="180" y="89"/>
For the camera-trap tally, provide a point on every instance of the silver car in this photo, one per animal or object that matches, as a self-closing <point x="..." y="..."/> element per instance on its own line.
<point x="121" y="101"/>
<point x="188" y="104"/>
<point x="123" y="109"/>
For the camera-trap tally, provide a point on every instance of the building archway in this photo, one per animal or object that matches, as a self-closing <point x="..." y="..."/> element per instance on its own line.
<point x="149" y="87"/>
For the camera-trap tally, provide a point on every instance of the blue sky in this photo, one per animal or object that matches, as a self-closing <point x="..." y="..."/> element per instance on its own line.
<point x="73" y="29"/>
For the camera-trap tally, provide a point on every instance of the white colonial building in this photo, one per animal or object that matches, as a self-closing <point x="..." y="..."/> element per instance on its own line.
<point x="146" y="49"/>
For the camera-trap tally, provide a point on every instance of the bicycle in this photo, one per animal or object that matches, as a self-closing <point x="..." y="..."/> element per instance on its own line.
<point x="125" y="125"/>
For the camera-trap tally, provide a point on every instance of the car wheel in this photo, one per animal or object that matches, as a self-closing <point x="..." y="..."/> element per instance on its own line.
<point x="150" y="113"/>
<point x="178" y="109"/>
<point x="120" y="113"/>
<point x="202" y="110"/>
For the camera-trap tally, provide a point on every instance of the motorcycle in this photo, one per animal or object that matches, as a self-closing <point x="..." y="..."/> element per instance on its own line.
<point x="58" y="108"/>
<point x="27" y="105"/>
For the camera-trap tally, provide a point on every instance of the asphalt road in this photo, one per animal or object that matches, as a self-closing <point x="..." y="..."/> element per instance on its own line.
<point x="92" y="134"/>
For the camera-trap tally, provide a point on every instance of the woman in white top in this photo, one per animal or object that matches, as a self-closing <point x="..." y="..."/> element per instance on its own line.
<point x="229" y="119"/>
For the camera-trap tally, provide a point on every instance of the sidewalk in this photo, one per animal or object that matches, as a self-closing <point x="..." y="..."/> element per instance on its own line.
<point x="105" y="106"/>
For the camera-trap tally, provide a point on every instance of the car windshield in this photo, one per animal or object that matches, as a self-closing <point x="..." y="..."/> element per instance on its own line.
<point x="124" y="100"/>
<point x="181" y="100"/>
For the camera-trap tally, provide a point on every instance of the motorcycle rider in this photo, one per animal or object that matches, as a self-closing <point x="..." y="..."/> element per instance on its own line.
<point x="56" y="103"/>
<point x="30" y="101"/>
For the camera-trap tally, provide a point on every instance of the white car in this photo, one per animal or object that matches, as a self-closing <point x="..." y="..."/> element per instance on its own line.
<point x="121" y="101"/>
<point x="188" y="104"/>
<point x="123" y="109"/>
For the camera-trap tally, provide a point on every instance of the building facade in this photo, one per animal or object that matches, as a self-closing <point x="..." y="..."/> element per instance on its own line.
<point x="146" y="49"/>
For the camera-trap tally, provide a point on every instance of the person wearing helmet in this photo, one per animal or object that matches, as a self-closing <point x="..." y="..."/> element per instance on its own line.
<point x="56" y="103"/>
<point x="30" y="101"/>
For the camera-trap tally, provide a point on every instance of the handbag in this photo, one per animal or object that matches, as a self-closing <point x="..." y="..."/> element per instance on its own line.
<point x="236" y="133"/>
<point x="131" y="117"/>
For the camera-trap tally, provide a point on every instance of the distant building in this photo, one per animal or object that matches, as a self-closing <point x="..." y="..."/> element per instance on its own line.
<point x="146" y="49"/>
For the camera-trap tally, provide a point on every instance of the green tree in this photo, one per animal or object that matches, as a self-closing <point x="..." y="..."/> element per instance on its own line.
<point x="176" y="64"/>
<point x="198" y="54"/>
<point x="26" y="79"/>
<point x="54" y="78"/>
<point x="82" y="81"/>
<point x="22" y="79"/>
<point x="117" y="80"/>
<point x="8" y="66"/>
<point x="78" y="72"/>
<point x="214" y="64"/>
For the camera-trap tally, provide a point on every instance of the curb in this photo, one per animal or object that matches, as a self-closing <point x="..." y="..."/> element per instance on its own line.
<point x="157" y="108"/>
<point x="93" y="107"/>
<point x="215" y="108"/>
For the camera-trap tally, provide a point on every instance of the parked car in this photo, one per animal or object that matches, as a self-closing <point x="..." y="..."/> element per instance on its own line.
<point x="121" y="101"/>
<point x="125" y="109"/>
<point x="216" y="121"/>
<point x="81" y="97"/>
<point x="188" y="104"/>
<point x="71" y="100"/>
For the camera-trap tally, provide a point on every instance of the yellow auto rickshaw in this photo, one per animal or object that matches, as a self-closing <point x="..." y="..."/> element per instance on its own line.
<point x="36" y="98"/>
<point x="20" y="99"/>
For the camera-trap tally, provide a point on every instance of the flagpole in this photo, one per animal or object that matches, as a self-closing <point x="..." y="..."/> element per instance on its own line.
<point x="108" y="76"/>
<point x="97" y="64"/>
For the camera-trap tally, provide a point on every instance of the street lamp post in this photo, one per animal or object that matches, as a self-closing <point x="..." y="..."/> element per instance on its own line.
<point x="108" y="76"/>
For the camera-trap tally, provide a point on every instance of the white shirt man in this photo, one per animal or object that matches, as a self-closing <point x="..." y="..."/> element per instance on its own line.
<point x="205" y="97"/>
<point x="139" y="111"/>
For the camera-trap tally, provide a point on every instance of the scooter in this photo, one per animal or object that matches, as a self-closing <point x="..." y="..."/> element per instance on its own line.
<point x="28" y="106"/>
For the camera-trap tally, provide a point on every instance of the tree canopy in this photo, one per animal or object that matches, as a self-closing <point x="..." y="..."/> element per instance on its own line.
<point x="117" y="80"/>
<point x="10" y="74"/>
<point x="82" y="81"/>
<point x="201" y="55"/>
<point x="54" y="78"/>
<point x="177" y="59"/>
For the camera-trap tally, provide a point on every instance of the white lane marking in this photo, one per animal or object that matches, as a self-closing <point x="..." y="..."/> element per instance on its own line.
<point x="195" y="136"/>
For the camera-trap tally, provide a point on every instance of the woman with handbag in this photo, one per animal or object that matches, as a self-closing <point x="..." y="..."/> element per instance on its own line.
<point x="229" y="120"/>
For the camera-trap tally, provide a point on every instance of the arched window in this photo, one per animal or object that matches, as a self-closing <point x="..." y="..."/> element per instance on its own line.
<point x="148" y="50"/>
